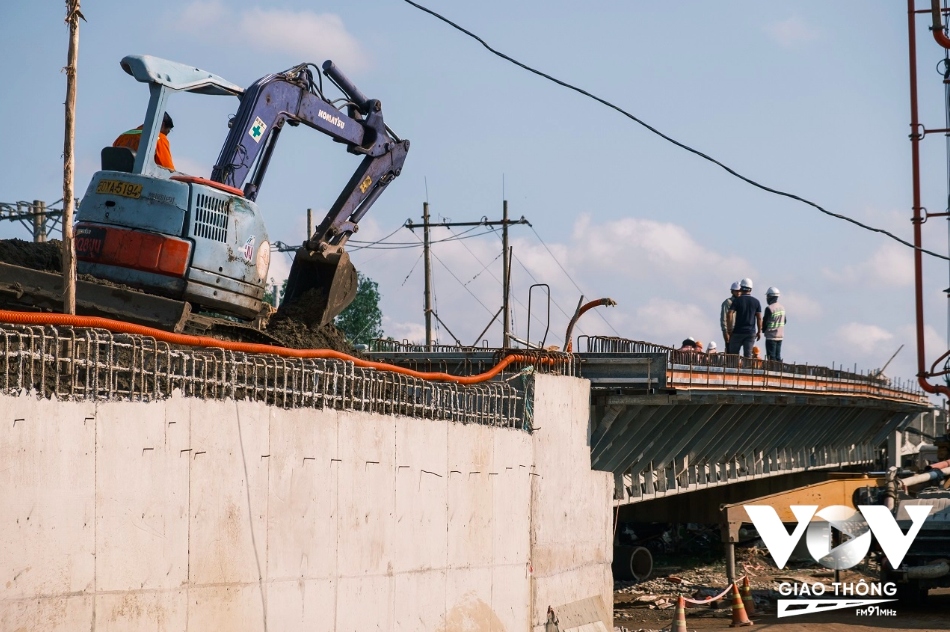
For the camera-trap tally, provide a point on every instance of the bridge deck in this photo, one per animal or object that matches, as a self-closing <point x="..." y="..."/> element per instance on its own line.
<point x="666" y="422"/>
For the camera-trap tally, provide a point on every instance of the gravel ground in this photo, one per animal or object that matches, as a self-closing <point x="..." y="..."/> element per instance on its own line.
<point x="649" y="606"/>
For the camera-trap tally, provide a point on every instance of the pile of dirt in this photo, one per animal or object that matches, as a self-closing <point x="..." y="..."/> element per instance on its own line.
<point x="46" y="256"/>
<point x="293" y="326"/>
<point x="297" y="325"/>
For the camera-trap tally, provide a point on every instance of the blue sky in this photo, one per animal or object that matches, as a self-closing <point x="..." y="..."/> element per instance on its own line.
<point x="810" y="97"/>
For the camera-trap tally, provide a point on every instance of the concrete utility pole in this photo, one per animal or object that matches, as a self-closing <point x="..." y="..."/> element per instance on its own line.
<point x="506" y="270"/>
<point x="427" y="266"/>
<point x="69" y="160"/>
<point x="505" y="310"/>
<point x="39" y="221"/>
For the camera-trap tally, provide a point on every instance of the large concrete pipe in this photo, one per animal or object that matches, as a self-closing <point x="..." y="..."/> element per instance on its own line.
<point x="632" y="563"/>
<point x="933" y="570"/>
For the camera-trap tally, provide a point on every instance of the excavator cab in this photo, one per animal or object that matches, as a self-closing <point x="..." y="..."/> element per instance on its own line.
<point x="169" y="234"/>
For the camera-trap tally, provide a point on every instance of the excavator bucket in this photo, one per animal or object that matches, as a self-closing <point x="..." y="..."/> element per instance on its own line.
<point x="319" y="287"/>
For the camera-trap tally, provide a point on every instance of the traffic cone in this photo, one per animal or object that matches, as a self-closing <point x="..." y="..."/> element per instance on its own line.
<point x="679" y="616"/>
<point x="746" y="592"/>
<point x="739" y="617"/>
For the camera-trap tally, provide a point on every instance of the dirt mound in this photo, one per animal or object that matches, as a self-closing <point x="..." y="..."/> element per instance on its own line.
<point x="294" y="325"/>
<point x="297" y="325"/>
<point x="46" y="256"/>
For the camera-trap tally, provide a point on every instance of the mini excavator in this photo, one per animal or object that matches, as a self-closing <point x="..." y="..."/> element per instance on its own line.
<point x="179" y="251"/>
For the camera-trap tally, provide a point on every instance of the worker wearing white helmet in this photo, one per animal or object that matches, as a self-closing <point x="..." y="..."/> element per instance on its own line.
<point x="745" y="320"/>
<point x="773" y="325"/>
<point x="711" y="347"/>
<point x="724" y="312"/>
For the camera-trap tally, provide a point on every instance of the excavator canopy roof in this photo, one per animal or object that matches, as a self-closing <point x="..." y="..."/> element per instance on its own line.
<point x="176" y="76"/>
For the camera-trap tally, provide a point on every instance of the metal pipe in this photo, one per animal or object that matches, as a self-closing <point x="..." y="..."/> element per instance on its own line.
<point x="730" y="562"/>
<point x="917" y="221"/>
<point x="939" y="35"/>
<point x="890" y="493"/>
<point x="609" y="302"/>
<point x="933" y="476"/>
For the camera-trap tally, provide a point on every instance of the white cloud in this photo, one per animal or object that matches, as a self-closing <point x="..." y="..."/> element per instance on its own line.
<point x="635" y="248"/>
<point x="800" y="307"/>
<point x="413" y="332"/>
<point x="864" y="338"/>
<point x="664" y="319"/>
<point x="891" y="265"/>
<point x="794" y="30"/>
<point x="311" y="36"/>
<point x="306" y="35"/>
<point x="198" y="17"/>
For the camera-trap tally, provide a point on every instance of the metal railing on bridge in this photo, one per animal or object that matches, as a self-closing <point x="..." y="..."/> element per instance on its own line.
<point x="691" y="369"/>
<point x="459" y="360"/>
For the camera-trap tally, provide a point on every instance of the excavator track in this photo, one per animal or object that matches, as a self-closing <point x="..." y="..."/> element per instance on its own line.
<point x="26" y="289"/>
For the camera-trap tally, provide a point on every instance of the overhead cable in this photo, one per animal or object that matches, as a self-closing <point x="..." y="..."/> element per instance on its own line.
<point x="672" y="140"/>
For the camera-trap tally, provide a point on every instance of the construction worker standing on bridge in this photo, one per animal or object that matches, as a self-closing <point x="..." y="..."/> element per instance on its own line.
<point x="774" y="325"/>
<point x="745" y="320"/>
<point x="724" y="313"/>
<point x="163" y="151"/>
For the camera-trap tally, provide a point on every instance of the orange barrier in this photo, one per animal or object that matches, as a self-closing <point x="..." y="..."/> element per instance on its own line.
<point x="739" y="616"/>
<point x="679" y="616"/>
<point x="746" y="592"/>
<point x="117" y="326"/>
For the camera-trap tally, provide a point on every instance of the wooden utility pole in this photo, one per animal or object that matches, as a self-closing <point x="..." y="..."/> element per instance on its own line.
<point x="69" y="160"/>
<point x="309" y="223"/>
<point x="427" y="266"/>
<point x="505" y="313"/>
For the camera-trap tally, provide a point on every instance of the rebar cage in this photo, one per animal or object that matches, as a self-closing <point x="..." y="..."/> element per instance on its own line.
<point x="94" y="364"/>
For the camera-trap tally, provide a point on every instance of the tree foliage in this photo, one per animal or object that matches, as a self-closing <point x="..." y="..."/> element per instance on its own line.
<point x="362" y="320"/>
<point x="269" y="297"/>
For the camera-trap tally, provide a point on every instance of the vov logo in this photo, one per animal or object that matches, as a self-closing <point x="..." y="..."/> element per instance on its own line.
<point x="856" y="525"/>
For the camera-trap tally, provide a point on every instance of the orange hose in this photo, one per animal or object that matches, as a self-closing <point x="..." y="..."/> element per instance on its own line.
<point x="118" y="326"/>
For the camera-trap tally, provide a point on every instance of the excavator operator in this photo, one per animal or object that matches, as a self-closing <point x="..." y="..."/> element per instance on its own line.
<point x="163" y="152"/>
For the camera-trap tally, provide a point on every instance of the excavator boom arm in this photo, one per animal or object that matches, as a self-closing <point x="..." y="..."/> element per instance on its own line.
<point x="290" y="97"/>
<point x="293" y="98"/>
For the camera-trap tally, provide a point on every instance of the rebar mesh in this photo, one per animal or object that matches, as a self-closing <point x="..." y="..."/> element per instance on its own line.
<point x="95" y="364"/>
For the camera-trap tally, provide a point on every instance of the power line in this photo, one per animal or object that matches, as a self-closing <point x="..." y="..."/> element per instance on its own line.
<point x="728" y="169"/>
<point x="465" y="287"/>
<point x="372" y="243"/>
<point x="403" y="245"/>
<point x="601" y="316"/>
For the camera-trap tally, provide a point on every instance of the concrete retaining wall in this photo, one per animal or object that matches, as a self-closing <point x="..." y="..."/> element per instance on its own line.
<point x="189" y="514"/>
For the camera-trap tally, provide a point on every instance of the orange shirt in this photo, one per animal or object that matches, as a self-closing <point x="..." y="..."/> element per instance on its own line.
<point x="163" y="151"/>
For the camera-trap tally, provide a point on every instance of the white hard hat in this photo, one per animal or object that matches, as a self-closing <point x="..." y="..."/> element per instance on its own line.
<point x="745" y="284"/>
<point x="735" y="287"/>
<point x="711" y="346"/>
<point x="773" y="291"/>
